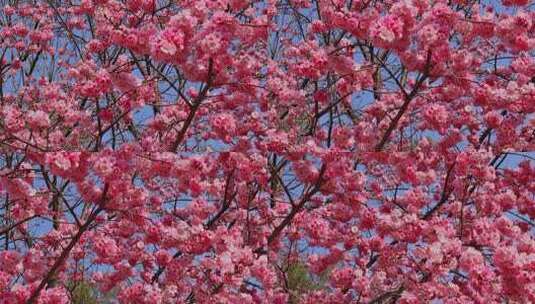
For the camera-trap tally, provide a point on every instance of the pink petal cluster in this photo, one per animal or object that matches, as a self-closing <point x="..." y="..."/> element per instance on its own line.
<point x="240" y="151"/>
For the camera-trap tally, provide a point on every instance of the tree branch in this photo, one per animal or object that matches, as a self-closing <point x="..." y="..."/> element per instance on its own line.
<point x="193" y="109"/>
<point x="65" y="253"/>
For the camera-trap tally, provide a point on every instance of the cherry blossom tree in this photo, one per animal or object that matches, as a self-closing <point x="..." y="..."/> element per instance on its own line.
<point x="267" y="151"/>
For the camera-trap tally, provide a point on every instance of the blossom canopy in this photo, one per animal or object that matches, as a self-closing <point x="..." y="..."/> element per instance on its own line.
<point x="267" y="151"/>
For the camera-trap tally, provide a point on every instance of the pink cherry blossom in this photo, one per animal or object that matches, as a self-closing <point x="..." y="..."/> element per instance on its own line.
<point x="296" y="151"/>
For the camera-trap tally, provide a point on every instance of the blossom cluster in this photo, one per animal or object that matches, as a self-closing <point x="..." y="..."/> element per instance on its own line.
<point x="263" y="151"/>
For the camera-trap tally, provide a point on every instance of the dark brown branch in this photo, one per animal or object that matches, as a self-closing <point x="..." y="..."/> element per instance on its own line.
<point x="288" y="219"/>
<point x="161" y="269"/>
<point x="9" y="228"/>
<point x="194" y="107"/>
<point x="388" y="296"/>
<point x="225" y="204"/>
<point x="65" y="253"/>
<point x="444" y="196"/>
<point x="408" y="98"/>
